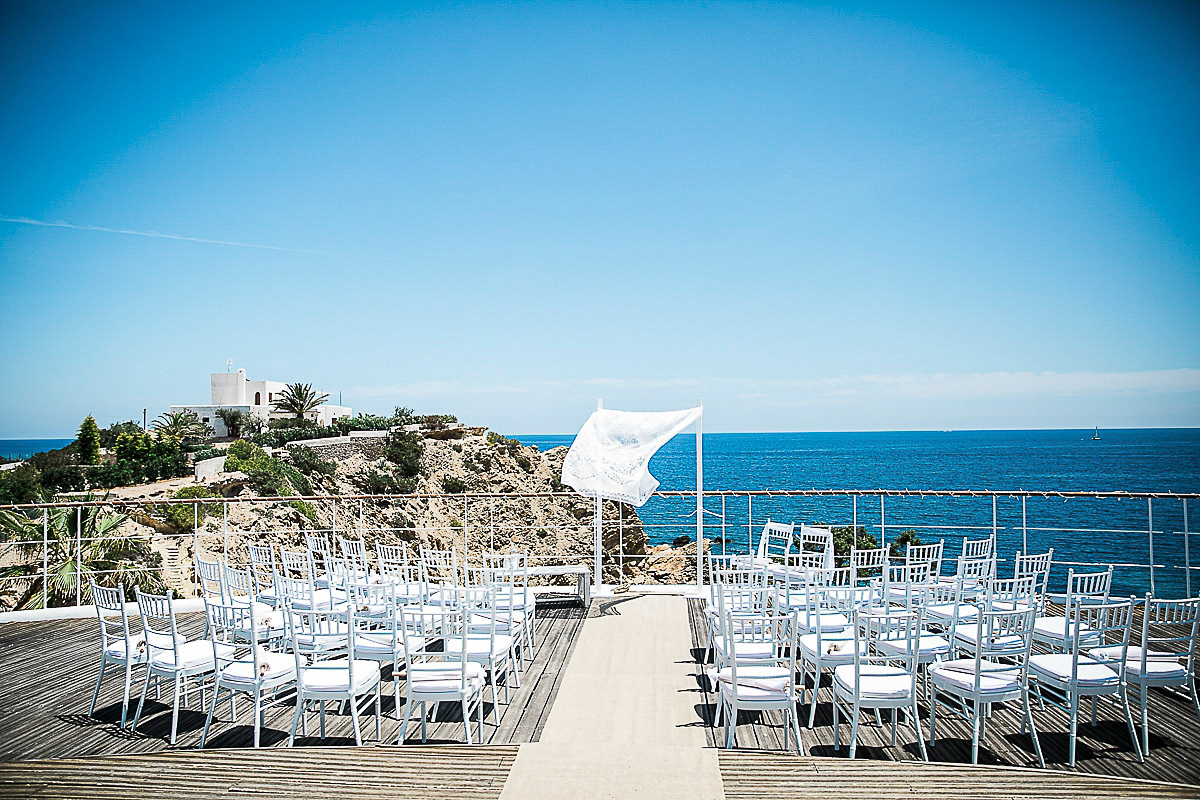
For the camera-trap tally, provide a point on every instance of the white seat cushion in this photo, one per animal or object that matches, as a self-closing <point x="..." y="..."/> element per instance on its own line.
<point x="478" y="646"/>
<point x="945" y="611"/>
<point x="1056" y="629"/>
<point x="376" y="644"/>
<point x="190" y="655"/>
<point x="755" y="682"/>
<point x="833" y="650"/>
<point x="271" y="667"/>
<point x="879" y="681"/>
<point x="746" y="650"/>
<point x="828" y="621"/>
<point x="1159" y="666"/>
<point x="961" y="674"/>
<point x="444" y="677"/>
<point x="116" y="650"/>
<point x="1056" y="667"/>
<point x="334" y="676"/>
<point x="968" y="634"/>
<point x="929" y="645"/>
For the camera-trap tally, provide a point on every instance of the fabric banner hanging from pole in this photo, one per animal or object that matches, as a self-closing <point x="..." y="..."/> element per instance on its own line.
<point x="611" y="454"/>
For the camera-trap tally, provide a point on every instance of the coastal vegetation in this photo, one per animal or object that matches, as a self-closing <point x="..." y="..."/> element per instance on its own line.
<point x="83" y="544"/>
<point x="184" y="426"/>
<point x="298" y="399"/>
<point x="268" y="476"/>
<point x="88" y="441"/>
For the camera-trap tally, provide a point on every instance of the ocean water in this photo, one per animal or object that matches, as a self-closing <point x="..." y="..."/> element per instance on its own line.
<point x="1079" y="530"/>
<point x="23" y="448"/>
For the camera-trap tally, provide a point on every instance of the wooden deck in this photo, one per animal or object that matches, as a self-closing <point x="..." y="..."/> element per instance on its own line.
<point x="418" y="773"/>
<point x="1103" y="750"/>
<point x="48" y="670"/>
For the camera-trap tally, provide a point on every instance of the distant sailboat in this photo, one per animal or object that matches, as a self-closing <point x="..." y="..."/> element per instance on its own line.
<point x="1096" y="435"/>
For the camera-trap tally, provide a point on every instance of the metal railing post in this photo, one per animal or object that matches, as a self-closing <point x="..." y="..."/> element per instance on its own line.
<point x="750" y="524"/>
<point x="722" y="524"/>
<point x="1187" y="555"/>
<point x="492" y="524"/>
<point x="466" y="540"/>
<point x="1024" y="529"/>
<point x="1150" y="519"/>
<point x="882" y="524"/>
<point x="79" y="556"/>
<point x="45" y="558"/>
<point x="995" y="549"/>
<point x="854" y="518"/>
<point x="621" y="541"/>
<point x="360" y="518"/>
<point x="333" y="531"/>
<point x="225" y="529"/>
<point x="195" y="546"/>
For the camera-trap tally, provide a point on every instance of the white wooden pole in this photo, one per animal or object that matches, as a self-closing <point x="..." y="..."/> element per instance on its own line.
<point x="598" y="524"/>
<point x="700" y="495"/>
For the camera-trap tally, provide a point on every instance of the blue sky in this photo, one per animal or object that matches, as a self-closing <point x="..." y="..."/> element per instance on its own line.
<point x="857" y="217"/>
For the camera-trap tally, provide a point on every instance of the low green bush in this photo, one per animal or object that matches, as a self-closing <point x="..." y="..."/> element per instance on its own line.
<point x="404" y="450"/>
<point x="182" y="515"/>
<point x="453" y="485"/>
<point x="304" y="508"/>
<point x="268" y="476"/>
<point x="307" y="461"/>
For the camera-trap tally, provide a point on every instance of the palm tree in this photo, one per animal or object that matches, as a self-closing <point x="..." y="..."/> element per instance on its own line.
<point x="183" y="425"/>
<point x="298" y="399"/>
<point x="82" y="544"/>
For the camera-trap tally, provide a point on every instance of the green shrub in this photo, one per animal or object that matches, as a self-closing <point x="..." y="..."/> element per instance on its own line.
<point x="453" y="485"/>
<point x="236" y="421"/>
<point x="372" y="481"/>
<point x="524" y="463"/>
<point x="287" y="423"/>
<point x="304" y="508"/>
<point x="404" y="450"/>
<point x="268" y="476"/>
<point x="897" y="546"/>
<point x="182" y="515"/>
<point x="206" y="453"/>
<point x="307" y="461"/>
<point x="64" y="479"/>
<point x="108" y="436"/>
<point x="20" y="485"/>
<point x="88" y="441"/>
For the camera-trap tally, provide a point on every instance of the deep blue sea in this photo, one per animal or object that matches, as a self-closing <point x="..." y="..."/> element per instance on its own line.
<point x="24" y="448"/>
<point x="1084" y="530"/>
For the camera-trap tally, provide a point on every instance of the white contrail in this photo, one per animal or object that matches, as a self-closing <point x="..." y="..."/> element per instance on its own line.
<point x="177" y="237"/>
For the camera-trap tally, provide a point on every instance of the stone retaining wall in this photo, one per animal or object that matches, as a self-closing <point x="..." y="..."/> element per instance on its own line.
<point x="342" y="447"/>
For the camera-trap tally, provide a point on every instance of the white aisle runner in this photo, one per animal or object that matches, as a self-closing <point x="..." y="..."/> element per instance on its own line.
<point x="624" y="723"/>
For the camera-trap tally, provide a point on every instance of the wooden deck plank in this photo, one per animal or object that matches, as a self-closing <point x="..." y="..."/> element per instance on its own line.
<point x="1101" y="750"/>
<point x="49" y="669"/>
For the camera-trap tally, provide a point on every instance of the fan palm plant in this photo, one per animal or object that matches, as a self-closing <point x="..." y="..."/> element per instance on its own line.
<point x="82" y="544"/>
<point x="298" y="399"/>
<point x="183" y="425"/>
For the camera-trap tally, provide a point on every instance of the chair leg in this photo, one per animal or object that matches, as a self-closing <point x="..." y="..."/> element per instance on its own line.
<point x="125" y="697"/>
<point x="916" y="722"/>
<point x="96" y="692"/>
<point x="1028" y="719"/>
<point x="404" y="725"/>
<point x="933" y="719"/>
<point x="1137" y="747"/>
<point x="379" y="712"/>
<point x="212" y="710"/>
<point x="812" y="705"/>
<point x="854" y="732"/>
<point x="353" y="721"/>
<point x="175" y="710"/>
<point x="257" y="716"/>
<point x="142" y="700"/>
<point x="975" y="725"/>
<point x="466" y="715"/>
<point x="1074" y="701"/>
<point x="1145" y="701"/>
<point x="296" y="719"/>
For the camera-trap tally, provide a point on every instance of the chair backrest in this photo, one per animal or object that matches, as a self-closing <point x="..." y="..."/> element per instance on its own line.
<point x="319" y="639"/>
<point x="930" y="554"/>
<point x="262" y="564"/>
<point x="396" y="568"/>
<point x="239" y="585"/>
<point x="978" y="548"/>
<point x="1002" y="644"/>
<point x="1011" y="593"/>
<point x="209" y="574"/>
<point x="320" y="548"/>
<point x="976" y="569"/>
<point x="509" y="569"/>
<point x="419" y="623"/>
<point x="355" y="552"/>
<point x="1087" y="587"/>
<point x="725" y="563"/>
<point x="742" y="590"/>
<point x="1035" y="565"/>
<point x="766" y="624"/>
<point x="868" y="563"/>
<point x="1107" y="623"/>
<point x="907" y="580"/>
<point x="289" y="589"/>
<point x="818" y="541"/>
<point x="776" y="539"/>
<point x="1176" y="624"/>
<point x="158" y="624"/>
<point x="110" y="610"/>
<point x="440" y="566"/>
<point x="297" y="563"/>
<point x="902" y="629"/>
<point x="233" y="624"/>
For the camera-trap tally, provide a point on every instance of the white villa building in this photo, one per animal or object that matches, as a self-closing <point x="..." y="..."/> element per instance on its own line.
<point x="234" y="390"/>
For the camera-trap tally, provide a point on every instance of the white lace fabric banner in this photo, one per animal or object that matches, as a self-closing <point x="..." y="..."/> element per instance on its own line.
<point x="610" y="456"/>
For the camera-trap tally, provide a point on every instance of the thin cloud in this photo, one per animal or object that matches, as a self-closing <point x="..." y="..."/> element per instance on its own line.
<point x="156" y="235"/>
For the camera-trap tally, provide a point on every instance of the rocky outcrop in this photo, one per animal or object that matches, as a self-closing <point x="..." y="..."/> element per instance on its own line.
<point x="469" y="474"/>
